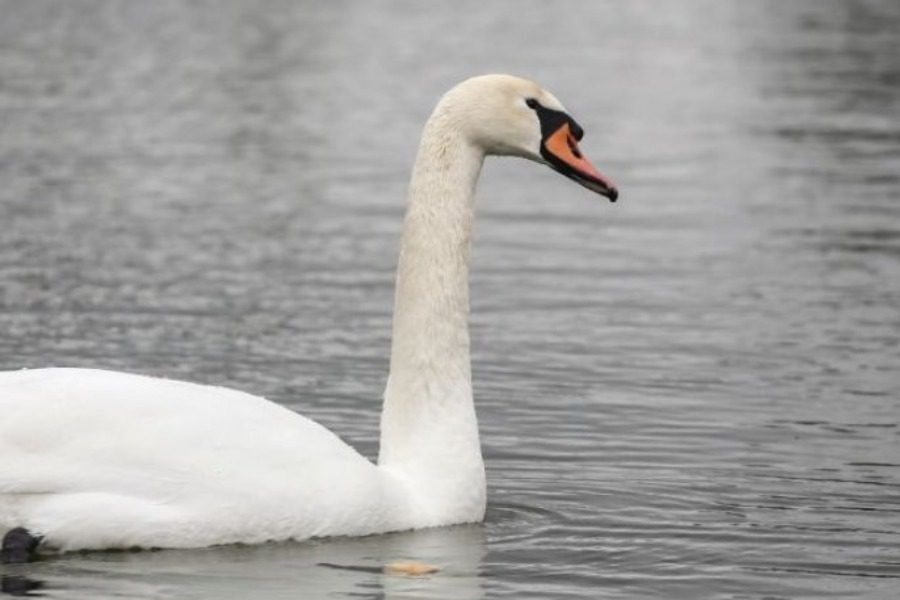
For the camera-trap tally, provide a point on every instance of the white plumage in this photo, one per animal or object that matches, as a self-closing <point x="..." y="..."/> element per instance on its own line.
<point x="98" y="459"/>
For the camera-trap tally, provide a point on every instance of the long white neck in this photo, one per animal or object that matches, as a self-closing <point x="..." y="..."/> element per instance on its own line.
<point x="429" y="432"/>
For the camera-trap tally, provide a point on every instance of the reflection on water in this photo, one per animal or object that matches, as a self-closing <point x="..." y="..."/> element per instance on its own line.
<point x="692" y="393"/>
<point x="287" y="570"/>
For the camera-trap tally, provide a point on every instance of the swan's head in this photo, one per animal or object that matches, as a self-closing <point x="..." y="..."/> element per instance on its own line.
<point x="510" y="116"/>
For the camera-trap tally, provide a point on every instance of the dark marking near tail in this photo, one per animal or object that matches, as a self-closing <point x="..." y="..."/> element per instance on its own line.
<point x="17" y="585"/>
<point x="18" y="546"/>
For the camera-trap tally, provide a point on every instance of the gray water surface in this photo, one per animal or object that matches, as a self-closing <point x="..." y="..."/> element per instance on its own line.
<point x="690" y="394"/>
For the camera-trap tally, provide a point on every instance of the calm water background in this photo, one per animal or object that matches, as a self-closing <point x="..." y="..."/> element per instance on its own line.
<point x="690" y="394"/>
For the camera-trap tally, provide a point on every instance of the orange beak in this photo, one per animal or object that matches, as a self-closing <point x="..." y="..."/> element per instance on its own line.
<point x="561" y="150"/>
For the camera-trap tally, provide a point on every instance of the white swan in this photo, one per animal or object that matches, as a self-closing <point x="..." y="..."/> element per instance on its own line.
<point x="94" y="459"/>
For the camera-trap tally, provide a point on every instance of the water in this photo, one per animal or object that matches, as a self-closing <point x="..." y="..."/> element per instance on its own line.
<point x="692" y="393"/>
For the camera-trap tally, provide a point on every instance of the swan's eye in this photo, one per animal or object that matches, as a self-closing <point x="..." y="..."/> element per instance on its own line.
<point x="532" y="103"/>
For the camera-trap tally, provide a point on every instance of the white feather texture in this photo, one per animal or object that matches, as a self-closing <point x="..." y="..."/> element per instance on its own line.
<point x="99" y="459"/>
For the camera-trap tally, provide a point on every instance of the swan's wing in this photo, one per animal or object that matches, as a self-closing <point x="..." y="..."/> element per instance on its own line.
<point x="66" y="433"/>
<point x="70" y="429"/>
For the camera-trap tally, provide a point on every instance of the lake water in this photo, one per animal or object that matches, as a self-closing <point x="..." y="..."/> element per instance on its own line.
<point x="693" y="393"/>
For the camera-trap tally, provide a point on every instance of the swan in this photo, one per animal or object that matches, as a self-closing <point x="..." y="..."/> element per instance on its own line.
<point x="94" y="459"/>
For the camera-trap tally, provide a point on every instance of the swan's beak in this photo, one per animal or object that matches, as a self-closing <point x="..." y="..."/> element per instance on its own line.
<point x="560" y="150"/>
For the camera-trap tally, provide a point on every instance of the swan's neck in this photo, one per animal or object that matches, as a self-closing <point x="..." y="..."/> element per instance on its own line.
<point x="429" y="433"/>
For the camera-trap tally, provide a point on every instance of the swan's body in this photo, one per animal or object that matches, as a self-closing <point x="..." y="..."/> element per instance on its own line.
<point x="107" y="459"/>
<point x="98" y="459"/>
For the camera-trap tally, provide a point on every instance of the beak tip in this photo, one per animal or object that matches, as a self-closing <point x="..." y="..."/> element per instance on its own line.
<point x="613" y="194"/>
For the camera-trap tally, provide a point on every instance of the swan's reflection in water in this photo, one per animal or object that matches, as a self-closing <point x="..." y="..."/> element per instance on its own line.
<point x="288" y="570"/>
